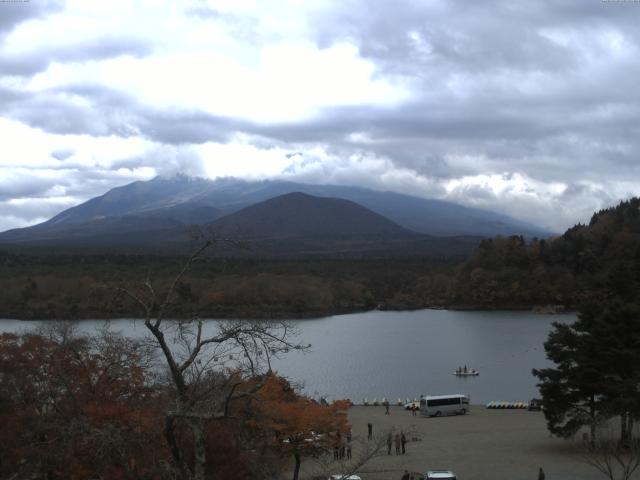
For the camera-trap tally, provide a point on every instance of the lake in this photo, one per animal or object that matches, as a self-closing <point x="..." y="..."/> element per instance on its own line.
<point x="404" y="354"/>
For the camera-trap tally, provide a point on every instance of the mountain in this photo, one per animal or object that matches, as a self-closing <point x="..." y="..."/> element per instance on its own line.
<point x="188" y="200"/>
<point x="292" y="225"/>
<point x="296" y="225"/>
<point x="294" y="215"/>
<point x="155" y="215"/>
<point x="175" y="198"/>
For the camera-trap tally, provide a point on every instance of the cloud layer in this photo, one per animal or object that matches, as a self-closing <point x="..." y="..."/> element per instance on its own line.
<point x="528" y="108"/>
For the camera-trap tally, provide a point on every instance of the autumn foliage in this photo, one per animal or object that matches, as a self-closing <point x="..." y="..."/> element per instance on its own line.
<point x="73" y="407"/>
<point x="299" y="426"/>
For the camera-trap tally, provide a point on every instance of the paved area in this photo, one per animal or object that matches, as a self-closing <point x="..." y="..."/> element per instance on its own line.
<point x="482" y="445"/>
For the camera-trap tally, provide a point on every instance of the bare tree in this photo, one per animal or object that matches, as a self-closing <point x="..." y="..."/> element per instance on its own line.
<point x="208" y="363"/>
<point x="614" y="459"/>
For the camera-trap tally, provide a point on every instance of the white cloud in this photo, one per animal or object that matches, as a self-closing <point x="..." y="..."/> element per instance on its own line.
<point x="288" y="82"/>
<point x="530" y="109"/>
<point x="241" y="159"/>
<point x="27" y="147"/>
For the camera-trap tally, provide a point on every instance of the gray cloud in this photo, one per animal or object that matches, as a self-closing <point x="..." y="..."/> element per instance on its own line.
<point x="110" y="112"/>
<point x="14" y="13"/>
<point x="530" y="88"/>
<point x="28" y="64"/>
<point x="33" y="210"/>
<point x="167" y="161"/>
<point x="62" y="154"/>
<point x="545" y="90"/>
<point x="25" y="187"/>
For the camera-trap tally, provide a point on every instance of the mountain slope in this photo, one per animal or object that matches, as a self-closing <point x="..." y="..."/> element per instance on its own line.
<point x="186" y="200"/>
<point x="136" y="198"/>
<point x="566" y="270"/>
<point x="301" y="215"/>
<point x="293" y="225"/>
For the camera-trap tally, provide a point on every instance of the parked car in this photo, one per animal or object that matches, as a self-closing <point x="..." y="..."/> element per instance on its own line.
<point x="535" y="404"/>
<point x="440" y="475"/>
<point x="342" y="477"/>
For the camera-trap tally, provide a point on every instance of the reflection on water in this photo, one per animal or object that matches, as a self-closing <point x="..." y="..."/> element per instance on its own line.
<point x="404" y="354"/>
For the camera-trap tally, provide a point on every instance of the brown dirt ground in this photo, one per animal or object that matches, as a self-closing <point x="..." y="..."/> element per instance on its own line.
<point x="482" y="445"/>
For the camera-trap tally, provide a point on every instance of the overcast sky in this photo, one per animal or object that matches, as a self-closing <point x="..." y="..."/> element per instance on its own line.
<point x="526" y="108"/>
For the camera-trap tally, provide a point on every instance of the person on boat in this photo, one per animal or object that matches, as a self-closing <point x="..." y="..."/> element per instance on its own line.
<point x="465" y="369"/>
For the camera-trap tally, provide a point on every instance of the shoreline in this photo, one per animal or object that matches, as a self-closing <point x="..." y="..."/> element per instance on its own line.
<point x="482" y="445"/>
<point x="537" y="309"/>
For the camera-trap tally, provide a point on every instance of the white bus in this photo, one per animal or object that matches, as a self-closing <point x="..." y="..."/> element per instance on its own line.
<point x="444" y="405"/>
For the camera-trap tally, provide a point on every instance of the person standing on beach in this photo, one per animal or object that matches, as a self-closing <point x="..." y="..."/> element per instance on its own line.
<point x="403" y="441"/>
<point x="397" y="442"/>
<point x="370" y="431"/>
<point x="541" y="474"/>
<point x="389" y="442"/>
<point x="406" y="475"/>
<point x="386" y="407"/>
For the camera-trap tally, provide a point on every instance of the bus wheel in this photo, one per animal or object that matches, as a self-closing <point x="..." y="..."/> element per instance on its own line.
<point x="438" y="414"/>
<point x="463" y="411"/>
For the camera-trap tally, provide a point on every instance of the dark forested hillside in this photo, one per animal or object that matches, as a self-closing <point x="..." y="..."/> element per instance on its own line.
<point x="75" y="286"/>
<point x="502" y="273"/>
<point x="509" y="271"/>
<point x="301" y="215"/>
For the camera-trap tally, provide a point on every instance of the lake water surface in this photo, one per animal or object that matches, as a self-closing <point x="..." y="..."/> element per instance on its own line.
<point x="404" y="354"/>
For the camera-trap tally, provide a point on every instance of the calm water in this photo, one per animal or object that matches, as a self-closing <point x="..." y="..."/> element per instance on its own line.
<point x="403" y="354"/>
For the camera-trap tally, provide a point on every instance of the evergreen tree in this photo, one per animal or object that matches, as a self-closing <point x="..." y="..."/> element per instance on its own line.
<point x="572" y="392"/>
<point x="616" y="325"/>
<point x="597" y="373"/>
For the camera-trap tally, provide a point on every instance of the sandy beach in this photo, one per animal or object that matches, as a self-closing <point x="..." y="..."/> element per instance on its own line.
<point x="482" y="445"/>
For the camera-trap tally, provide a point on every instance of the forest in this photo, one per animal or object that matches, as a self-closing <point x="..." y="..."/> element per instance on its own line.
<point x="563" y="271"/>
<point x="550" y="274"/>
<point x="189" y="401"/>
<point x="74" y="407"/>
<point x="71" y="287"/>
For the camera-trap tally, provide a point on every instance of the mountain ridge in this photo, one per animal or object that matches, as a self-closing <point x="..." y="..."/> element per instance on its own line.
<point x="293" y="225"/>
<point x="298" y="214"/>
<point x="187" y="198"/>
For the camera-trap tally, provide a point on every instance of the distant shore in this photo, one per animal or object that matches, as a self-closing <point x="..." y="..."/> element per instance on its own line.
<point x="297" y="315"/>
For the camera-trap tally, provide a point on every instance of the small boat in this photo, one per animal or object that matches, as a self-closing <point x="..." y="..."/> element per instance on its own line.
<point x="469" y="373"/>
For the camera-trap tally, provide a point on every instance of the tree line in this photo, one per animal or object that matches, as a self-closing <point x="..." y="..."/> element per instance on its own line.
<point x="68" y="287"/>
<point x="190" y="400"/>
<point x="502" y="273"/>
<point x="564" y="271"/>
<point x="595" y="380"/>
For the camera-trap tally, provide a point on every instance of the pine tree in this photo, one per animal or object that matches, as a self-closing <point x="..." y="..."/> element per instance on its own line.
<point x="572" y="392"/>
<point x="597" y="373"/>
<point x="615" y="323"/>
